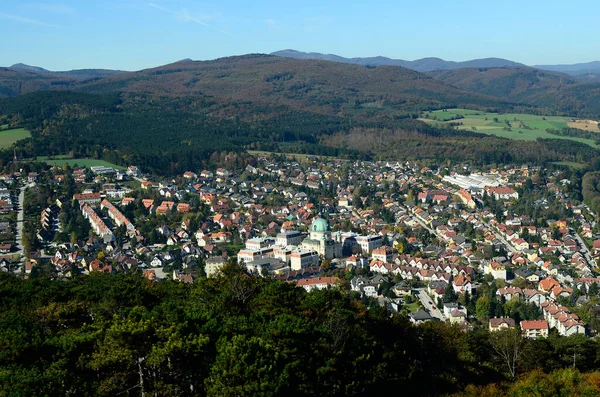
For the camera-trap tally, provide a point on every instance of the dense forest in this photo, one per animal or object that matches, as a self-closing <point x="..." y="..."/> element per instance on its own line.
<point x="237" y="335"/>
<point x="173" y="135"/>
<point x="549" y="92"/>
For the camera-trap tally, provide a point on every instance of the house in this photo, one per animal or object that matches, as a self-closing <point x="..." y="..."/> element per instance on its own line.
<point x="134" y="171"/>
<point x="214" y="266"/>
<point x="206" y="174"/>
<point x="548" y="284"/>
<point x="458" y="316"/>
<point x="303" y="258"/>
<point x="497" y="270"/>
<point x="189" y="175"/>
<point x="462" y="284"/>
<point x="508" y="293"/>
<point x="466" y="198"/>
<point x="497" y="324"/>
<point x="317" y="282"/>
<point x="92" y="199"/>
<point x="156" y="262"/>
<point x="534" y="329"/>
<point x="150" y="274"/>
<point x="383" y="253"/>
<point x="502" y="192"/>
<point x="533" y="296"/>
<point x="420" y="317"/>
<point x="222" y="172"/>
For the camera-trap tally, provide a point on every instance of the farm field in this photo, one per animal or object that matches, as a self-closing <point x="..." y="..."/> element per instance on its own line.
<point x="87" y="162"/>
<point x="8" y="137"/>
<point x="524" y="127"/>
<point x="586" y="125"/>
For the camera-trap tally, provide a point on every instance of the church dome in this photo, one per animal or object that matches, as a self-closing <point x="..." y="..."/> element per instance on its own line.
<point x="319" y="225"/>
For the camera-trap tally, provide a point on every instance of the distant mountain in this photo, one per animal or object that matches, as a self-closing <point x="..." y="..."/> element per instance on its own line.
<point x="14" y="82"/>
<point x="78" y="74"/>
<point x="517" y="84"/>
<point x="540" y="88"/>
<point x="574" y="69"/>
<point x="585" y="72"/>
<point x="28" y="68"/>
<point x="420" y="65"/>
<point x="322" y="87"/>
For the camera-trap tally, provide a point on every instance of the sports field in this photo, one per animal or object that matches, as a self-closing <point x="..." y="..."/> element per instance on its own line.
<point x="518" y="126"/>
<point x="8" y="137"/>
<point x="61" y="160"/>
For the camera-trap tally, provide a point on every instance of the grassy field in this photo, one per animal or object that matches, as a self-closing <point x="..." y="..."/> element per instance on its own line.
<point x="577" y="166"/>
<point x="524" y="127"/>
<point x="61" y="160"/>
<point x="8" y="137"/>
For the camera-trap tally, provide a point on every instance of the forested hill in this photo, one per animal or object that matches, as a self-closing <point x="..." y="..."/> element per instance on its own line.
<point x="554" y="91"/>
<point x="18" y="82"/>
<point x="310" y="85"/>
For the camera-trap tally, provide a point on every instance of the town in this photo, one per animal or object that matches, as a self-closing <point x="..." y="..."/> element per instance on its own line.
<point x="496" y="247"/>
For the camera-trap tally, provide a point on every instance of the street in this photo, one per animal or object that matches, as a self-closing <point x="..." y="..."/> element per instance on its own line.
<point x="585" y="251"/>
<point x="420" y="222"/>
<point x="429" y="305"/>
<point x="499" y="237"/>
<point x="20" y="217"/>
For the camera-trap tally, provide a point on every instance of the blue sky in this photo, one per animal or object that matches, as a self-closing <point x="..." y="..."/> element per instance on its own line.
<point x="136" y="34"/>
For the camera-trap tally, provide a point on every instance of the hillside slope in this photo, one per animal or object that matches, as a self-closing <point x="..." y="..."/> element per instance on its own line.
<point x="311" y="85"/>
<point x="18" y="82"/>
<point x="553" y="91"/>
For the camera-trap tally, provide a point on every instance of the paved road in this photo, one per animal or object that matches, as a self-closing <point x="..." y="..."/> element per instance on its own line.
<point x="586" y="252"/>
<point x="20" y="217"/>
<point x="427" y="301"/>
<point x="420" y="222"/>
<point x="499" y="237"/>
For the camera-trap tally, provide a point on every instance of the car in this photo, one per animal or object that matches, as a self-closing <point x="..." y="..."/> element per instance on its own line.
<point x="433" y="307"/>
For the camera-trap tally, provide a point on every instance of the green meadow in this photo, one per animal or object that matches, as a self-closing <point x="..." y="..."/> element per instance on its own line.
<point x="524" y="127"/>
<point x="8" y="137"/>
<point x="86" y="162"/>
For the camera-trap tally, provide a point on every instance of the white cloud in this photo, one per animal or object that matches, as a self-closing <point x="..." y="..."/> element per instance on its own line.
<point x="18" y="18"/>
<point x="185" y="16"/>
<point x="54" y="8"/>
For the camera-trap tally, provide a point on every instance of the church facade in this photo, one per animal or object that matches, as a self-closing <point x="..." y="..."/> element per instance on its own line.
<point x="320" y="240"/>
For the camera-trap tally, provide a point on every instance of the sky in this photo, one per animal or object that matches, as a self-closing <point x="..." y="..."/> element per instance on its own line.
<point x="138" y="34"/>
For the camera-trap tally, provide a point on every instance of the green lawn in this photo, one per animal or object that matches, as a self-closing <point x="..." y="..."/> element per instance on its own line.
<point x="61" y="160"/>
<point x="571" y="164"/>
<point x="524" y="127"/>
<point x="413" y="307"/>
<point x="8" y="137"/>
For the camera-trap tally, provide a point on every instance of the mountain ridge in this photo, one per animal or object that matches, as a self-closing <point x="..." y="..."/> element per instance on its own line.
<point x="584" y="72"/>
<point x="420" y="65"/>
<point x="78" y="74"/>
